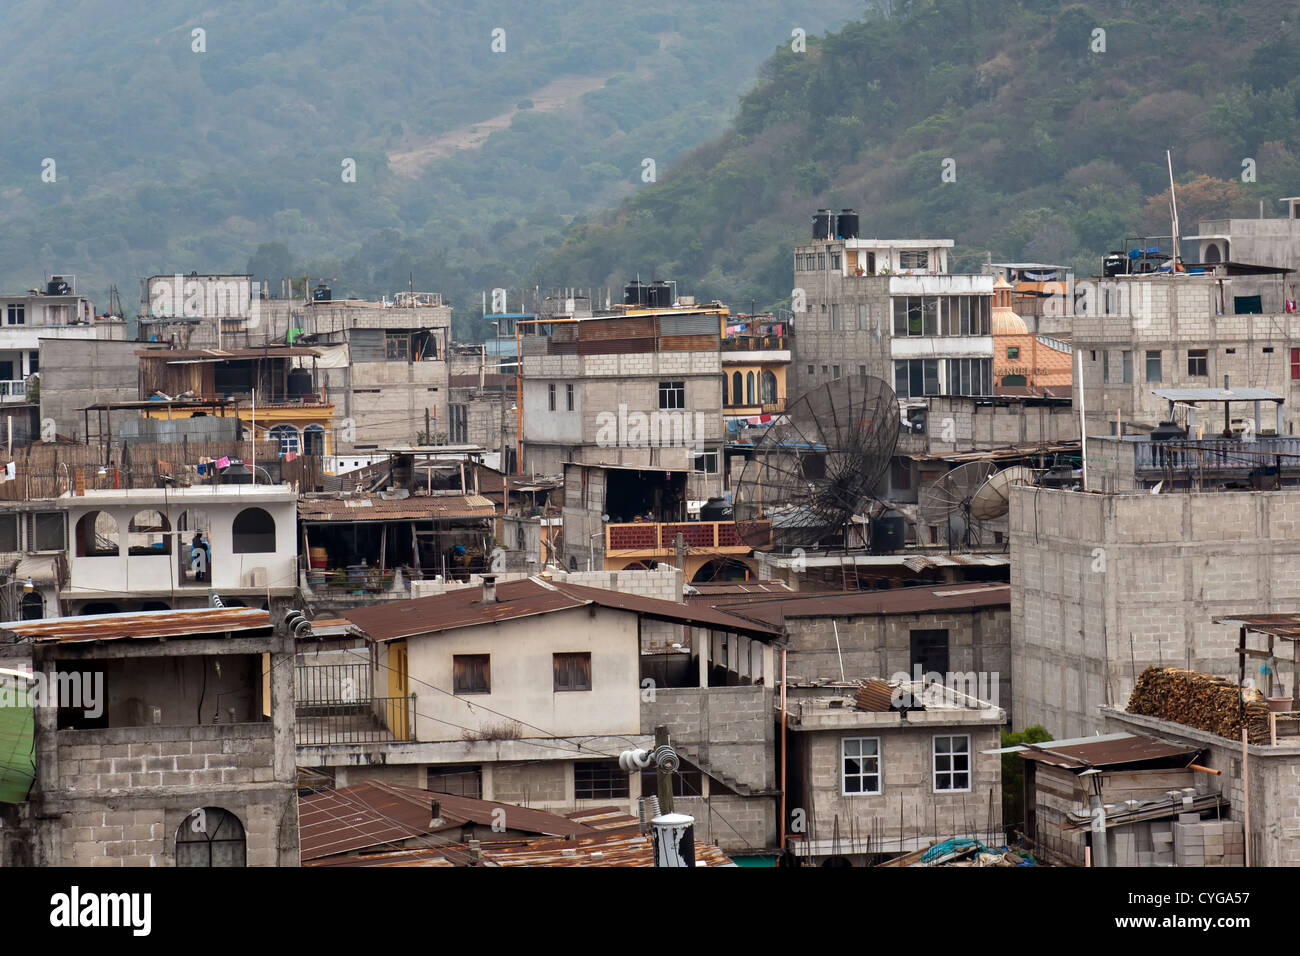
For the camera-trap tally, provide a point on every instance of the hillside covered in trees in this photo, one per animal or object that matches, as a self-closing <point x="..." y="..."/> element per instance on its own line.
<point x="172" y="136"/>
<point x="1056" y="118"/>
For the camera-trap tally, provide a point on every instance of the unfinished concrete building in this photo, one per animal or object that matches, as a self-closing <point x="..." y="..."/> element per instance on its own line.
<point x="171" y="748"/>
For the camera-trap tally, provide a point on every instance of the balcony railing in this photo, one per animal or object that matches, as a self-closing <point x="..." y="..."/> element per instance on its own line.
<point x="1219" y="454"/>
<point x="704" y="535"/>
<point x="13" y="389"/>
<point x="368" y="720"/>
<point x="755" y="343"/>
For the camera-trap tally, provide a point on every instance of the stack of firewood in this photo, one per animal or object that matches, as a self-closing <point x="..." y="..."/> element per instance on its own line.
<point x="1201" y="701"/>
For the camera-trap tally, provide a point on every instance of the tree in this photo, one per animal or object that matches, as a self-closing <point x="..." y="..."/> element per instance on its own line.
<point x="272" y="261"/>
<point x="1013" y="773"/>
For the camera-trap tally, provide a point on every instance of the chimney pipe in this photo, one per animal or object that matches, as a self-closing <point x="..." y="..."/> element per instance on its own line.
<point x="489" y="589"/>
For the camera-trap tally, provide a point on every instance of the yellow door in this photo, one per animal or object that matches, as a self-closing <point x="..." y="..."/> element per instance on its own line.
<point x="398" y="718"/>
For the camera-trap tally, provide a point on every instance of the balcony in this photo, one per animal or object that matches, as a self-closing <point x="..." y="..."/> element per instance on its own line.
<point x="756" y="343"/>
<point x="13" y="390"/>
<point x="335" y="705"/>
<point x="647" y="538"/>
<point x="1233" y="456"/>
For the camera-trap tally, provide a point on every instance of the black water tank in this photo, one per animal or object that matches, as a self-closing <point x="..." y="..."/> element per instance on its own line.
<point x="56" y="286"/>
<point x="822" y="224"/>
<point x="299" y="383"/>
<point x="888" y="533"/>
<point x="634" y="293"/>
<point x="661" y="295"/>
<point x="1114" y="264"/>
<point x="321" y="293"/>
<point x="847" y="225"/>
<point x="237" y="474"/>
<point x="1166" y="431"/>
<point x="715" y="509"/>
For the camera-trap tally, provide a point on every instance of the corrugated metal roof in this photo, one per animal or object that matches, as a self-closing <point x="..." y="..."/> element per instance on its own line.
<point x="1286" y="626"/>
<point x="1137" y="748"/>
<point x="415" y="508"/>
<point x="373" y="814"/>
<point x="464" y="607"/>
<point x="774" y="609"/>
<point x="610" y="849"/>
<point x="222" y="355"/>
<point x="1216" y="395"/>
<point x="140" y="625"/>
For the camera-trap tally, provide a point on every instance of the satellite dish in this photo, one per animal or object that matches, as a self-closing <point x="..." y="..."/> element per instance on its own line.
<point x="993" y="499"/>
<point x="947" y="502"/>
<point x="818" y="465"/>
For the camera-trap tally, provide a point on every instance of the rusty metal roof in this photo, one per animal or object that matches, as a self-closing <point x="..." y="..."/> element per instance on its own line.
<point x="424" y="856"/>
<point x="464" y="607"/>
<point x="876" y="696"/>
<point x="606" y="849"/>
<point x="374" y="814"/>
<point x="1286" y="626"/>
<point x="774" y="609"/>
<point x="224" y="355"/>
<point x="1102" y="754"/>
<point x="140" y="625"/>
<point x="413" y="508"/>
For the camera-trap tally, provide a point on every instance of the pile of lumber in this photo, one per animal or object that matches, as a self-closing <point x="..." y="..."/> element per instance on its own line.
<point x="1200" y="701"/>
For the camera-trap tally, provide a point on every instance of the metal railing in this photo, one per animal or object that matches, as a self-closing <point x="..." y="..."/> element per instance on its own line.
<point x="1217" y="454"/>
<point x="755" y="343"/>
<point x="369" y="720"/>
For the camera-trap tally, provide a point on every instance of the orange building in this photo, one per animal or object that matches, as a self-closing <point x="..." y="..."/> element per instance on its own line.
<point x="1022" y="359"/>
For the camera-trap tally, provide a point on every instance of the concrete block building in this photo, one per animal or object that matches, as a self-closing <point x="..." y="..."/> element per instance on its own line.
<point x="180" y="755"/>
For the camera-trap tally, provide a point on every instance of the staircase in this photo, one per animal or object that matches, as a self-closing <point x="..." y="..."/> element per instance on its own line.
<point x="692" y="757"/>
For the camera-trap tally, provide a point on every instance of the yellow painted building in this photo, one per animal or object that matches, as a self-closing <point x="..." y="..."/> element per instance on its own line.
<point x="305" y="428"/>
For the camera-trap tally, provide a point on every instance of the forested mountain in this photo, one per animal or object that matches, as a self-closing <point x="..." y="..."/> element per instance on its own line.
<point x="1056" y="118"/>
<point x="184" y="136"/>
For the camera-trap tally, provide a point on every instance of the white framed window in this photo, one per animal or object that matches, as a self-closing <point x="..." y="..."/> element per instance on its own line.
<point x="860" y="765"/>
<point x="672" y="395"/>
<point x="914" y="260"/>
<point x="288" y="437"/>
<point x="951" y="763"/>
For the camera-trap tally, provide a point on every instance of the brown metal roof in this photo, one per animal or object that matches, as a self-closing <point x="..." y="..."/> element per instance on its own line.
<point x="516" y="599"/>
<point x="374" y="814"/>
<point x="773" y="609"/>
<point x="607" y="849"/>
<point x="140" y="625"/>
<point x="876" y="696"/>
<point x="222" y="355"/>
<point x="1137" y="748"/>
<point x="424" y="856"/>
<point x="414" y="508"/>
<point x="1286" y="626"/>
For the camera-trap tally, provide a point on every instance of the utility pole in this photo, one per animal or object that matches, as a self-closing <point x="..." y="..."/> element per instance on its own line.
<point x="672" y="834"/>
<point x="428" y="438"/>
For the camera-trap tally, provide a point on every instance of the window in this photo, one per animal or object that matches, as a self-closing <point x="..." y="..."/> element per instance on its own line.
<point x="471" y="674"/>
<point x="862" y="316"/>
<point x="1197" y="362"/>
<point x="768" y="387"/>
<point x="599" y="780"/>
<point x="1153" y="366"/>
<point x="915" y="378"/>
<point x="1295" y="370"/>
<point x="812" y="369"/>
<point x="1105" y="366"/>
<point x="951" y="763"/>
<point x="929" y="652"/>
<point x="835" y="261"/>
<point x="550" y="397"/>
<point x="253" y="532"/>
<point x="47" y="531"/>
<point x="707" y="462"/>
<point x="672" y="395"/>
<point x="900" y="474"/>
<point x="148" y="533"/>
<point x="572" y="671"/>
<point x="861" y="765"/>
<point x="397" y="346"/>
<point x="287" y="436"/>
<point x="568" y="397"/>
<point x="16" y="314"/>
<point x="97" y="535"/>
<point x="457" y="779"/>
<point x="914" y="260"/>
<point x="749" y="389"/>
<point x="687" y="782"/>
<point x="970" y="377"/>
<point x="1013" y="352"/>
<point x="835" y="371"/>
<point x="835" y="317"/>
<point x="1126" y="359"/>
<point x="724" y="389"/>
<point x="313" y="440"/>
<point x="9" y="533"/>
<point x="821" y="262"/>
<point x="211" y="837"/>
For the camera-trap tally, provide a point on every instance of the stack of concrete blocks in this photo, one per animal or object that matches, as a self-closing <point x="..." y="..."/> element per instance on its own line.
<point x="1208" y="843"/>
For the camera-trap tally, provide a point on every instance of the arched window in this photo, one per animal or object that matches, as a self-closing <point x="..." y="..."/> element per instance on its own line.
<point x="313" y="440"/>
<point x="769" y="387"/>
<point x="287" y="436"/>
<point x="32" y="607"/>
<point x="96" y="535"/>
<point x="724" y="389"/>
<point x="149" y="533"/>
<point x="737" y="388"/>
<point x="253" y="532"/>
<point x="749" y="389"/>
<point x="211" y="837"/>
<point x="1212" y="253"/>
